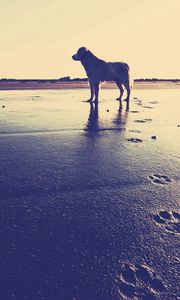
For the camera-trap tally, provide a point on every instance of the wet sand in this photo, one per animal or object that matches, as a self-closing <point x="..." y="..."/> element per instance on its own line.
<point x="89" y="197"/>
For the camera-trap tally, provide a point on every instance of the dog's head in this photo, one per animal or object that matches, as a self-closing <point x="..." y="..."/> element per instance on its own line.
<point x="80" y="53"/>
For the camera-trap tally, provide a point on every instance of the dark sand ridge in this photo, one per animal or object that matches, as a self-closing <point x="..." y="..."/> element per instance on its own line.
<point x="55" y="84"/>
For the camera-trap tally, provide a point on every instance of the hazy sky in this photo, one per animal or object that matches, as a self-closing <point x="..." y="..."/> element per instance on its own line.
<point x="38" y="37"/>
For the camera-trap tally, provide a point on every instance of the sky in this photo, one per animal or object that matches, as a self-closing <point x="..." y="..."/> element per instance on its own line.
<point x="38" y="38"/>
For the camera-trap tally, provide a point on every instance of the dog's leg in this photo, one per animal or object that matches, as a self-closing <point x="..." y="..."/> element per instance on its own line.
<point x="92" y="91"/>
<point x="96" y="88"/>
<point x="121" y="94"/>
<point x="119" y="85"/>
<point x="128" y="94"/>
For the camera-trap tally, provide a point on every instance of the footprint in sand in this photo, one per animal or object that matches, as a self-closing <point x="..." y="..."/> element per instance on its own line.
<point x="159" y="179"/>
<point x="147" y="106"/>
<point x="153" y="102"/>
<point x="135" y="131"/>
<point x="169" y="220"/>
<point x="137" y="101"/>
<point x="143" y="121"/>
<point x="135" y="111"/>
<point x="134" y="140"/>
<point x="139" y="281"/>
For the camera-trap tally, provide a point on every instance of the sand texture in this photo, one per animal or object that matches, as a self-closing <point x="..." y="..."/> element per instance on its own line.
<point x="89" y="196"/>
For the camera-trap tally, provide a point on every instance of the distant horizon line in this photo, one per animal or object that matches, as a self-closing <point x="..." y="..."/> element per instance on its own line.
<point x="69" y="79"/>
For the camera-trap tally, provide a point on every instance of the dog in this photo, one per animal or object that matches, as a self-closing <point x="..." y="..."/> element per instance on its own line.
<point x="99" y="71"/>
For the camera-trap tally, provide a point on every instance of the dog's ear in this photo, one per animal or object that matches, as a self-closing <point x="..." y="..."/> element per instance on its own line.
<point x="82" y="50"/>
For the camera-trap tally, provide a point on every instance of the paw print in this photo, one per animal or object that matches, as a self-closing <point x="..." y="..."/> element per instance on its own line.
<point x="147" y="106"/>
<point x="143" y="120"/>
<point x="135" y="140"/>
<point x="169" y="220"/>
<point x="139" y="281"/>
<point x="159" y="179"/>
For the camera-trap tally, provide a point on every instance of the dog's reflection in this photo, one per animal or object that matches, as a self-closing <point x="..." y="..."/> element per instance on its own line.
<point x="93" y="122"/>
<point x="121" y="117"/>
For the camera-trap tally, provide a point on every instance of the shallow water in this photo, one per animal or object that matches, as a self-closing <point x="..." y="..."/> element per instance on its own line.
<point x="85" y="195"/>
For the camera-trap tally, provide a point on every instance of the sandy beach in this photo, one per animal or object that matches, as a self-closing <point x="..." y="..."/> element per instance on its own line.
<point x="89" y="196"/>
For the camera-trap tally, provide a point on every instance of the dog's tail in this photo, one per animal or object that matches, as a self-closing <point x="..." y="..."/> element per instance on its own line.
<point x="131" y="83"/>
<point x="130" y="77"/>
<point x="131" y="80"/>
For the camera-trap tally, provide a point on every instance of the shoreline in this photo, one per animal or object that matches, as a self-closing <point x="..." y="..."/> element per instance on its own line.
<point x="35" y="85"/>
